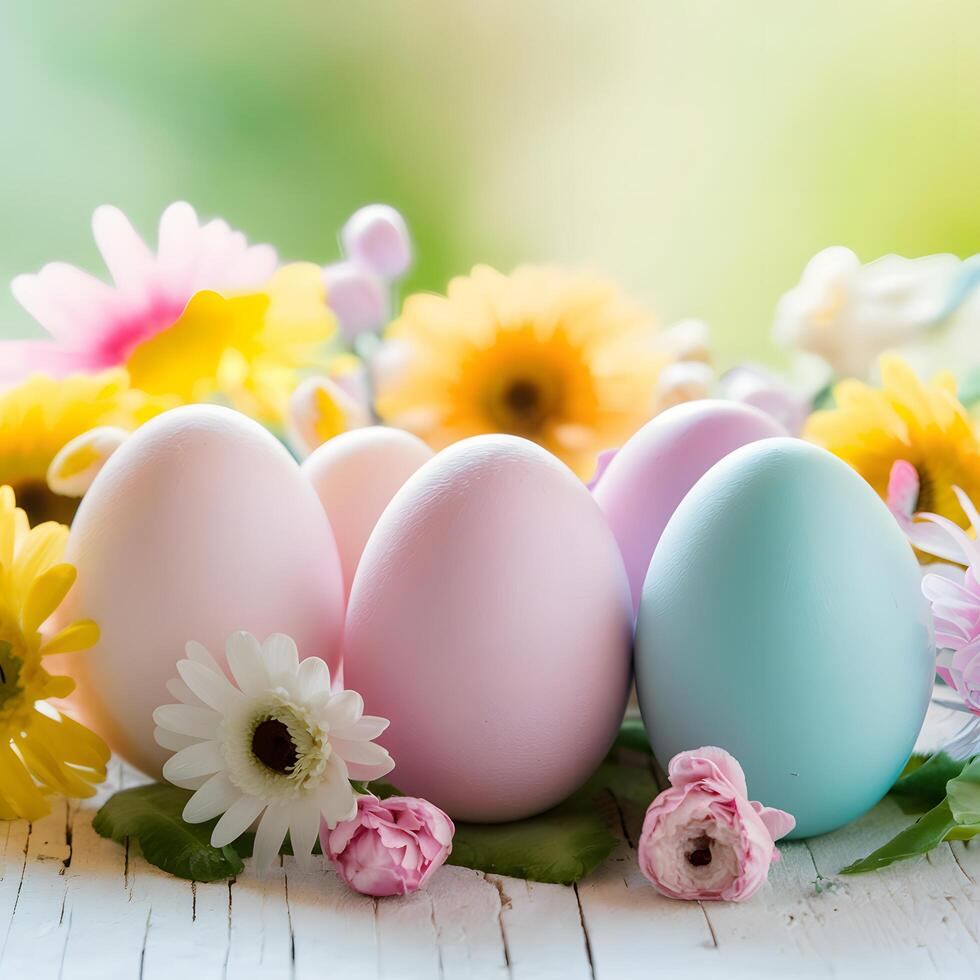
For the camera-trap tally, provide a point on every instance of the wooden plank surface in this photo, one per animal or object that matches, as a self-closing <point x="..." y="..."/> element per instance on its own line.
<point x="76" y="906"/>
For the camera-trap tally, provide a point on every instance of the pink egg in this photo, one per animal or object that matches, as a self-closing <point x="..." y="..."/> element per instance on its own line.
<point x="355" y="476"/>
<point x="490" y="622"/>
<point x="199" y="525"/>
<point x="646" y="480"/>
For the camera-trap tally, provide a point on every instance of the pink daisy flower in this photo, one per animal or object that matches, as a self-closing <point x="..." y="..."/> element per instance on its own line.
<point x="94" y="325"/>
<point x="953" y="591"/>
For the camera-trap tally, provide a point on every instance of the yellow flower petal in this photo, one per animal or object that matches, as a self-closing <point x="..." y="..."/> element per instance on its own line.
<point x="41" y="415"/>
<point x="541" y="353"/>
<point x="41" y="548"/>
<point x="17" y="790"/>
<point x="80" y="635"/>
<point x="906" y="419"/>
<point x="45" y="595"/>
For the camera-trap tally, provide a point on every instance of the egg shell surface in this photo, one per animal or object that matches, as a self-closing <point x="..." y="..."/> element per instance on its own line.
<point x="199" y="525"/>
<point x="490" y="622"/>
<point x="783" y="619"/>
<point x="649" y="476"/>
<point x="355" y="476"/>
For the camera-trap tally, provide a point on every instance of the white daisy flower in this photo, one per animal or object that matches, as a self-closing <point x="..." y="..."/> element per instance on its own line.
<point x="277" y="744"/>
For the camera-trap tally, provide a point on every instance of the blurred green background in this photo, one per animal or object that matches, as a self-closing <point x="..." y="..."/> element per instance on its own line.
<point x="701" y="152"/>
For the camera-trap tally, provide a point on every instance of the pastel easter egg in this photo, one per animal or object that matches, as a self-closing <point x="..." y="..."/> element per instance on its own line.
<point x="490" y="622"/>
<point x="355" y="476"/>
<point x="783" y="619"/>
<point x="199" y="525"/>
<point x="646" y="480"/>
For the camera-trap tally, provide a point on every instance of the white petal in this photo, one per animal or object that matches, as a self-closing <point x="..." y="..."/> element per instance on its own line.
<point x="201" y="759"/>
<point x="200" y="654"/>
<point x="214" y="797"/>
<point x="212" y="687"/>
<point x="245" y="660"/>
<point x="281" y="655"/>
<point x="313" y="676"/>
<point x="187" y="720"/>
<point x="236" y="820"/>
<point x="304" y="824"/>
<point x="366" y="773"/>
<point x="344" y="709"/>
<point x="336" y="795"/>
<point x="367" y="753"/>
<point x="366" y="727"/>
<point x="183" y="693"/>
<point x="167" y="739"/>
<point x="270" y="836"/>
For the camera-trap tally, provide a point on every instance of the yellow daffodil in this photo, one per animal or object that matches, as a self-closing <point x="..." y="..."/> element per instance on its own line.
<point x="560" y="358"/>
<point x="41" y="415"/>
<point x="41" y="749"/>
<point x="923" y="424"/>
<point x="246" y="349"/>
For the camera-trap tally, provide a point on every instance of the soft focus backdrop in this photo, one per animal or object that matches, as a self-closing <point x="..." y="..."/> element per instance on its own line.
<point x="700" y="152"/>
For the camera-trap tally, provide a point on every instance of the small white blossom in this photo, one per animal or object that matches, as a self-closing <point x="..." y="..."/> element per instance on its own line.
<point x="848" y="313"/>
<point x="279" y="743"/>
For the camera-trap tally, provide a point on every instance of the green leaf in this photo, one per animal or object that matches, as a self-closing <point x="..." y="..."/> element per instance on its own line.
<point x="562" y="845"/>
<point x="633" y="736"/>
<point x="966" y="832"/>
<point x="922" y="785"/>
<point x="928" y="831"/>
<point x="963" y="794"/>
<point x="567" y="842"/>
<point x="151" y="816"/>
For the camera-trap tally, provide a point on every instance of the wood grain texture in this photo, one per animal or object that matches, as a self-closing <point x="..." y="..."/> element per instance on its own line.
<point x="76" y="906"/>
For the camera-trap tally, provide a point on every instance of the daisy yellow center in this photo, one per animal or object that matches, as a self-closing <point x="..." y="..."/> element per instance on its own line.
<point x="559" y="358"/>
<point x="909" y="420"/>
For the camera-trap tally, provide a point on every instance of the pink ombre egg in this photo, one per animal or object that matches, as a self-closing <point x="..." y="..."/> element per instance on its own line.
<point x="199" y="525"/>
<point x="355" y="476"/>
<point x="646" y="480"/>
<point x="490" y="621"/>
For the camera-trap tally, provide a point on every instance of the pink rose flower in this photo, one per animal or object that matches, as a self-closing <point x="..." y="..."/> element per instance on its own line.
<point x="702" y="838"/>
<point x="392" y="847"/>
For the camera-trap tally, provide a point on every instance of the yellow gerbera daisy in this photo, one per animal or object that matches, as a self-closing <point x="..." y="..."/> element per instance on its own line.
<point x="40" y="748"/>
<point x="246" y="349"/>
<point x="560" y="358"/>
<point x="923" y="424"/>
<point x="41" y="415"/>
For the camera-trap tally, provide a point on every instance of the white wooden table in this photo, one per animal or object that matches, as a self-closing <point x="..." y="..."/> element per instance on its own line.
<point x="74" y="905"/>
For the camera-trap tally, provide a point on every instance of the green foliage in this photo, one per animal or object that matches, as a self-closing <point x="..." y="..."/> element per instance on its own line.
<point x="560" y="846"/>
<point x="151" y="816"/>
<point x="953" y="789"/>
<point x="922" y="836"/>
<point x="922" y="785"/>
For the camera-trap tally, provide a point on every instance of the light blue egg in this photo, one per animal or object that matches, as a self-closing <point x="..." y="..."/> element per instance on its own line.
<point x="782" y="618"/>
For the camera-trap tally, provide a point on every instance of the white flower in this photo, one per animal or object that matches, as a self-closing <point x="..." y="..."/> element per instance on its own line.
<point x="848" y="313"/>
<point x="278" y="743"/>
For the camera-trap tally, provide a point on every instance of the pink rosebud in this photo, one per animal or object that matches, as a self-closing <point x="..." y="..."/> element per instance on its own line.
<point x="358" y="298"/>
<point x="703" y="839"/>
<point x="376" y="237"/>
<point x="392" y="847"/>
